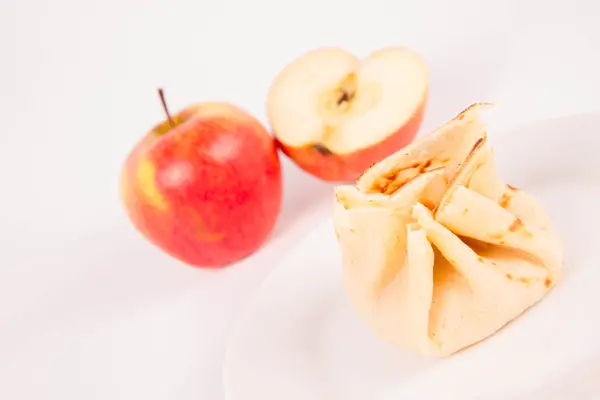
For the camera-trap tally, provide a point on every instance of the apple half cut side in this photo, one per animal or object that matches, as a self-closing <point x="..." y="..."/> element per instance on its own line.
<point x="335" y="115"/>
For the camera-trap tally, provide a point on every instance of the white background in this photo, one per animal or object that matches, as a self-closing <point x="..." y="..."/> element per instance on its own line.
<point x="88" y="309"/>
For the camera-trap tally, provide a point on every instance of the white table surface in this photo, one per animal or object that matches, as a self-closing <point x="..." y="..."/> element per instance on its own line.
<point x="88" y="308"/>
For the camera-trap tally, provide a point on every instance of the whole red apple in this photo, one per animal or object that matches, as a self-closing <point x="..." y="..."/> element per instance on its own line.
<point x="205" y="185"/>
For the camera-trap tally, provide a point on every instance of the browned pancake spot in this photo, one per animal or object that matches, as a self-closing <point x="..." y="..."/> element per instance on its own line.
<point x="525" y="281"/>
<point x="516" y="225"/>
<point x="390" y="182"/>
<point x="503" y="202"/>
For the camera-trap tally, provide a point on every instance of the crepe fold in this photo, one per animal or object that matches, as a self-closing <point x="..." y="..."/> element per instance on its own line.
<point x="438" y="252"/>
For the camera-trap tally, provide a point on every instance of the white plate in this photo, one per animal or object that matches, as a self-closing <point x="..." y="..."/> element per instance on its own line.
<point x="299" y="339"/>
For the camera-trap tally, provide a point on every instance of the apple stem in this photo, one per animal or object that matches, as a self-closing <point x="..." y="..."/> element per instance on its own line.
<point x="161" y="94"/>
<point x="322" y="149"/>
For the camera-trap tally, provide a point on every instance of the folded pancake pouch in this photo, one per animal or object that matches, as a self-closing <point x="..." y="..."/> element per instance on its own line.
<point x="438" y="252"/>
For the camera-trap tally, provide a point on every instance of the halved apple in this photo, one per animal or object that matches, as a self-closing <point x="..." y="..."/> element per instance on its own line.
<point x="336" y="115"/>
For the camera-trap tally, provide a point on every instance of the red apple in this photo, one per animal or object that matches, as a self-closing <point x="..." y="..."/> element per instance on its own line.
<point x="205" y="185"/>
<point x="336" y="115"/>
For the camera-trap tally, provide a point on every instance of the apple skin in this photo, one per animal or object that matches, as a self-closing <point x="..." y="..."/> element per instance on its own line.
<point x="333" y="167"/>
<point x="207" y="191"/>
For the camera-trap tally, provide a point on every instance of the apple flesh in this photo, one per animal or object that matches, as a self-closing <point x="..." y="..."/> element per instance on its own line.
<point x="335" y="115"/>
<point x="205" y="186"/>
